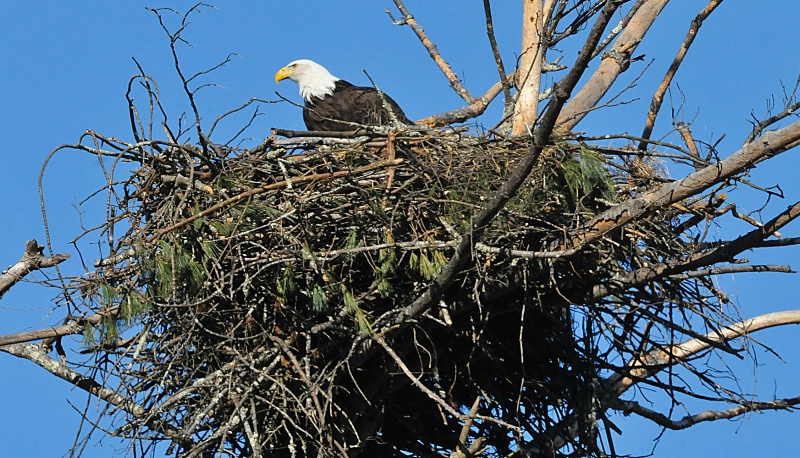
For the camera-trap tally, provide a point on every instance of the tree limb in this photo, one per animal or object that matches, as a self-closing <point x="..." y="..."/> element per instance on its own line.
<point x="504" y="79"/>
<point x="30" y="261"/>
<point x="722" y="253"/>
<point x="771" y="144"/>
<point x="530" y="65"/>
<point x="473" y="110"/>
<point x="455" y="83"/>
<point x="70" y="327"/>
<point x="655" y="361"/>
<point x="658" y="97"/>
<point x="613" y="64"/>
<point x="651" y="363"/>
<point x="37" y="354"/>
<point x="627" y="407"/>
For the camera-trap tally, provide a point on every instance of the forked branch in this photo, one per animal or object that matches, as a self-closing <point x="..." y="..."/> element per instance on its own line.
<point x="473" y="110"/>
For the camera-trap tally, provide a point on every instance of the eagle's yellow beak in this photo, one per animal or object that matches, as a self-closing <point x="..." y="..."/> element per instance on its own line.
<point x="284" y="73"/>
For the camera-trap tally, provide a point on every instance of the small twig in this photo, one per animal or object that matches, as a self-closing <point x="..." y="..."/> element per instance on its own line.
<point x="748" y="219"/>
<point x="761" y="125"/>
<point x="691" y="146"/>
<point x="390" y="155"/>
<point x="394" y="122"/>
<point x="236" y="110"/>
<point x="175" y="37"/>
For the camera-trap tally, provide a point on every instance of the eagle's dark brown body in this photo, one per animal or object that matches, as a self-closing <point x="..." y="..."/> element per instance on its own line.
<point x="350" y="107"/>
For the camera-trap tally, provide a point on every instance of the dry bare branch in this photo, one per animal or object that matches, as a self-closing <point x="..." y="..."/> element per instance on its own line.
<point x="771" y="144"/>
<point x="613" y="64"/>
<point x="628" y="407"/>
<point x="656" y="361"/>
<point x="501" y="70"/>
<point x="39" y="356"/>
<point x="473" y="110"/>
<point x="30" y="261"/>
<point x="73" y="326"/>
<point x="455" y="83"/>
<point x="666" y="82"/>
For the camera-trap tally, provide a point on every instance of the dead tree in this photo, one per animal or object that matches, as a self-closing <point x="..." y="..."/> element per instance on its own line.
<point x="423" y="292"/>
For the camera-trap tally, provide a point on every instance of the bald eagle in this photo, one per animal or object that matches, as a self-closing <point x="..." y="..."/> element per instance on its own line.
<point x="333" y="104"/>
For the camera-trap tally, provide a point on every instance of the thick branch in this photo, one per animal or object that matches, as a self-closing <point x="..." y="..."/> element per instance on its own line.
<point x="30" y="261"/>
<point x="770" y="144"/>
<point x="38" y="355"/>
<point x="73" y="326"/>
<point x="473" y="110"/>
<point x="651" y="363"/>
<point x="657" y="360"/>
<point x="613" y="64"/>
<point x="751" y="239"/>
<point x="722" y="253"/>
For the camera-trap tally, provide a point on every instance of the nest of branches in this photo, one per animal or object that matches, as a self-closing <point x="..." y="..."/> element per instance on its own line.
<point x="274" y="295"/>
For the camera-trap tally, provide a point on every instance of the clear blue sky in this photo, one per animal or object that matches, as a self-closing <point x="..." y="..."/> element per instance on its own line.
<point x="65" y="67"/>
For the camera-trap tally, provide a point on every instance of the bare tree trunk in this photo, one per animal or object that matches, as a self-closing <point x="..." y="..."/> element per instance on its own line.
<point x="530" y="66"/>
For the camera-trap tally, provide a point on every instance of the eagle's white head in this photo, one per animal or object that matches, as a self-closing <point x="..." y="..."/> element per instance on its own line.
<point x="314" y="79"/>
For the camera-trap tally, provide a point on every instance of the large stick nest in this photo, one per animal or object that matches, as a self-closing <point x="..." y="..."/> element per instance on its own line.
<point x="267" y="287"/>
